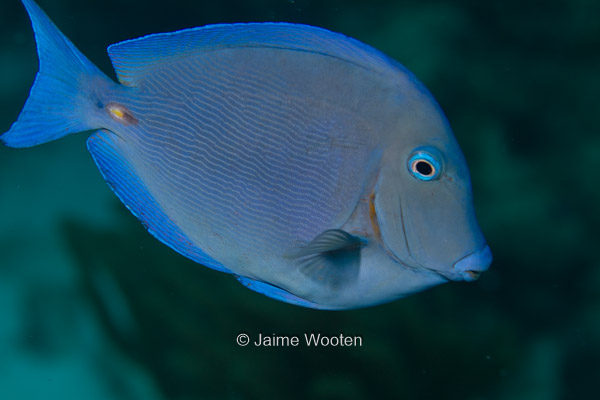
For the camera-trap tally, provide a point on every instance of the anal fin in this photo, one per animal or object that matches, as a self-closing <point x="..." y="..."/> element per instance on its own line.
<point x="107" y="149"/>
<point x="275" y="292"/>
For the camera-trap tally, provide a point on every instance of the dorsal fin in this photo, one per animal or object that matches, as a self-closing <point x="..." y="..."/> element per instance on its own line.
<point x="133" y="59"/>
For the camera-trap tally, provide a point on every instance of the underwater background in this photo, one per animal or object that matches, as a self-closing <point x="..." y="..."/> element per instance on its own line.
<point x="92" y="306"/>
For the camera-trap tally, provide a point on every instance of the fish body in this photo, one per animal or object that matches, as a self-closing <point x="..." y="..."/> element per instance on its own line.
<point x="311" y="166"/>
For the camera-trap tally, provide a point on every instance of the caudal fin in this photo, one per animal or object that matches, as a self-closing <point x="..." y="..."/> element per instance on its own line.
<point x="57" y="100"/>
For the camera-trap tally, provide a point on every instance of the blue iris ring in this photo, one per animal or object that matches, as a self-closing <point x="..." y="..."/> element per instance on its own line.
<point x="424" y="165"/>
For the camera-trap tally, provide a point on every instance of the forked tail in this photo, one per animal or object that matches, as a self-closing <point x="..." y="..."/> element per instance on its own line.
<point x="59" y="96"/>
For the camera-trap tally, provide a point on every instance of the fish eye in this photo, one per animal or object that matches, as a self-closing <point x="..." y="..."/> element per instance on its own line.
<point x="424" y="164"/>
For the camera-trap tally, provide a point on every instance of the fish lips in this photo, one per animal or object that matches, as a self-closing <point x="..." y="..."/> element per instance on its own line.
<point x="470" y="267"/>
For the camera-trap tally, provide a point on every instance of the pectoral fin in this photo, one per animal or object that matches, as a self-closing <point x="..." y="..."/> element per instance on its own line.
<point x="332" y="258"/>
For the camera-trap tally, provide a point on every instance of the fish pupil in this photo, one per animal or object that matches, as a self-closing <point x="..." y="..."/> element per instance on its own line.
<point x="424" y="168"/>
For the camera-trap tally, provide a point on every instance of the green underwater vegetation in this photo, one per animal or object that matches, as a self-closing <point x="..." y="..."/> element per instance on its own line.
<point x="91" y="304"/>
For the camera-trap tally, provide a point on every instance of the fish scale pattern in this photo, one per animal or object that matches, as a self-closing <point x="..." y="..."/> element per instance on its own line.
<point x="225" y="153"/>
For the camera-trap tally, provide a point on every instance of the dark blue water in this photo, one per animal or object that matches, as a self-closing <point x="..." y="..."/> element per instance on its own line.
<point x="91" y="306"/>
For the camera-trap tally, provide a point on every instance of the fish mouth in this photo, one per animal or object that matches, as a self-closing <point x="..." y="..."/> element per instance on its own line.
<point x="470" y="267"/>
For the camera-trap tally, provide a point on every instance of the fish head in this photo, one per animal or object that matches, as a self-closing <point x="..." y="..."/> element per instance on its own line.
<point x="423" y="200"/>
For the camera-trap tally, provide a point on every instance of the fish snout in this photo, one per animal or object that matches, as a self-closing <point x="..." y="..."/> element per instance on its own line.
<point x="470" y="267"/>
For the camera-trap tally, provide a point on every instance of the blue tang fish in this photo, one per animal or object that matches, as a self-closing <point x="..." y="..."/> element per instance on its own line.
<point x="312" y="167"/>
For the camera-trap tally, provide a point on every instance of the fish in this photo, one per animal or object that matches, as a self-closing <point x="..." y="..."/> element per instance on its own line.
<point x="314" y="168"/>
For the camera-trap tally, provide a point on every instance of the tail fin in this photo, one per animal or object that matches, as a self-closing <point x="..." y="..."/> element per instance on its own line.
<point x="55" y="105"/>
